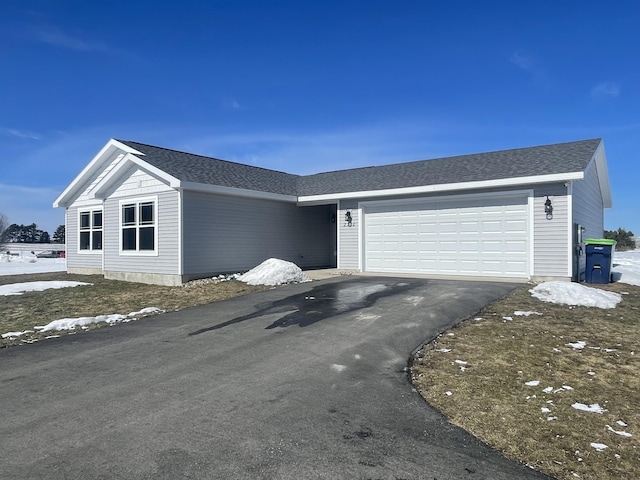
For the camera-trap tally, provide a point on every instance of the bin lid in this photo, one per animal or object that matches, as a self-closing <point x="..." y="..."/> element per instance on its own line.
<point x="599" y="241"/>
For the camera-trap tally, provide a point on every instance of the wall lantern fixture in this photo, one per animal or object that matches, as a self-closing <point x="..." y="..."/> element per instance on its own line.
<point x="548" y="208"/>
<point x="348" y="218"/>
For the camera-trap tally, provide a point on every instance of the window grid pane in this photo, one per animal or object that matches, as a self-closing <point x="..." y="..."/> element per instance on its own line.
<point x="97" y="219"/>
<point x="146" y="213"/>
<point x="84" y="240"/>
<point x="146" y="238"/>
<point x="84" y="221"/>
<point x="129" y="239"/>
<point x="128" y="215"/>
<point x="96" y="240"/>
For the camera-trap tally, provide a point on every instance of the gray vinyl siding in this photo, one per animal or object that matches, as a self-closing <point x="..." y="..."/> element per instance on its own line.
<point x="76" y="260"/>
<point x="588" y="209"/>
<point x="551" y="255"/>
<point x="348" y="246"/>
<point x="224" y="233"/>
<point x="167" y="260"/>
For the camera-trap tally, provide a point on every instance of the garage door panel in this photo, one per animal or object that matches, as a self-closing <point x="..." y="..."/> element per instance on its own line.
<point x="472" y="236"/>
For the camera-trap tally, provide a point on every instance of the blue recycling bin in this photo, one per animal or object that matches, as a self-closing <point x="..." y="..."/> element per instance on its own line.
<point x="599" y="259"/>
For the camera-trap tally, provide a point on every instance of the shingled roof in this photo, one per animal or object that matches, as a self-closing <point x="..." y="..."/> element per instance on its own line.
<point x="189" y="167"/>
<point x="521" y="162"/>
<point x="553" y="159"/>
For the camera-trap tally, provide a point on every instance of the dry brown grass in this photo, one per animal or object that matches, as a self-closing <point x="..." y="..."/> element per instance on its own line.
<point x="23" y="312"/>
<point x="489" y="397"/>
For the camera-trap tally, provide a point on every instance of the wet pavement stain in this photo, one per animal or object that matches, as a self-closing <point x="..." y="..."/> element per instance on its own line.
<point x="322" y="302"/>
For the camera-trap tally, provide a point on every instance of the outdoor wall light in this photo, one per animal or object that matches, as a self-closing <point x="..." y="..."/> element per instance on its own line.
<point x="348" y="218"/>
<point x="548" y="208"/>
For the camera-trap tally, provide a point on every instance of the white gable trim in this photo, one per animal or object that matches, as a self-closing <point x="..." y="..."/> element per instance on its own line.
<point x="96" y="164"/>
<point x="121" y="168"/>
<point x="506" y="182"/>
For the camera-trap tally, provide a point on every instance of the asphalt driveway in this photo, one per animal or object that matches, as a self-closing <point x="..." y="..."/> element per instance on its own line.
<point x="303" y="381"/>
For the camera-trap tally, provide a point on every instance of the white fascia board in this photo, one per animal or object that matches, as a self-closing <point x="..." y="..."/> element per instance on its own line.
<point x="122" y="166"/>
<point x="446" y="187"/>
<point x="238" y="192"/>
<point x="89" y="170"/>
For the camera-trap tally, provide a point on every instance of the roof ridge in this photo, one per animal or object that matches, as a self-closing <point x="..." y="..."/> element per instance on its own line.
<point x="492" y="152"/>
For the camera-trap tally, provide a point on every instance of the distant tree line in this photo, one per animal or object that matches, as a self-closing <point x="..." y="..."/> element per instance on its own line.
<point x="624" y="239"/>
<point x="15" y="233"/>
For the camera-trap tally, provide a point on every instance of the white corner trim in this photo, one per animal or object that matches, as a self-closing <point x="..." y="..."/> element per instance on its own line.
<point x="338" y="208"/>
<point x="239" y="192"/>
<point x="531" y="202"/>
<point x="361" y="232"/>
<point x="506" y="182"/>
<point x="570" y="228"/>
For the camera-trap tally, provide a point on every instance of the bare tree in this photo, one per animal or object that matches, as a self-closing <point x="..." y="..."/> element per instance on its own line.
<point x="4" y="224"/>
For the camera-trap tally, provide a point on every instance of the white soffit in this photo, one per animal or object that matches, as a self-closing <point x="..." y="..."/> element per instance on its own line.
<point x="239" y="192"/>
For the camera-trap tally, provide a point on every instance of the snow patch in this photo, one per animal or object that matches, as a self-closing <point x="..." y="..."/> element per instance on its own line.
<point x="567" y="293"/>
<point x="579" y="345"/>
<point x="20" y="288"/>
<point x="15" y="334"/>
<point x="532" y="383"/>
<point x="618" y="432"/>
<point x="594" y="408"/>
<point x="72" y="323"/>
<point x="598" y="446"/>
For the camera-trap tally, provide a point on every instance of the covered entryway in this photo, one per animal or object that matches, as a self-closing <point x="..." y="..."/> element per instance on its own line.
<point x="472" y="235"/>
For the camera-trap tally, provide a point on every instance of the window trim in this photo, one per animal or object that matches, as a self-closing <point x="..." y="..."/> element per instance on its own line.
<point x="90" y="210"/>
<point x="137" y="225"/>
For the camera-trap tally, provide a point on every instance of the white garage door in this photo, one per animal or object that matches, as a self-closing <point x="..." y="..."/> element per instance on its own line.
<point x="476" y="236"/>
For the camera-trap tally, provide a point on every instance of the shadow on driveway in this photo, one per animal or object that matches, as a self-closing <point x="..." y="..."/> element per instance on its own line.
<point x="322" y="302"/>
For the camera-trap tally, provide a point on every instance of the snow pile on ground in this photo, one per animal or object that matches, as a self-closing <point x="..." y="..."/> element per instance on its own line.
<point x="274" y="272"/>
<point x="84" y="322"/>
<point x="626" y="267"/>
<point x="20" y="288"/>
<point x="575" y="294"/>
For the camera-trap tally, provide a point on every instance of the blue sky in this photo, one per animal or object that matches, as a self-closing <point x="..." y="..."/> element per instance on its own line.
<point x="307" y="86"/>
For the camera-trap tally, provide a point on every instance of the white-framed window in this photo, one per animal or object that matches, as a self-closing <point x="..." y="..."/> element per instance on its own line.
<point x="139" y="226"/>
<point x="90" y="230"/>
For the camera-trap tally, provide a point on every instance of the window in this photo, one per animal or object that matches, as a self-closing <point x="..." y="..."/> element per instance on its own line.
<point x="138" y="226"/>
<point x="90" y="230"/>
